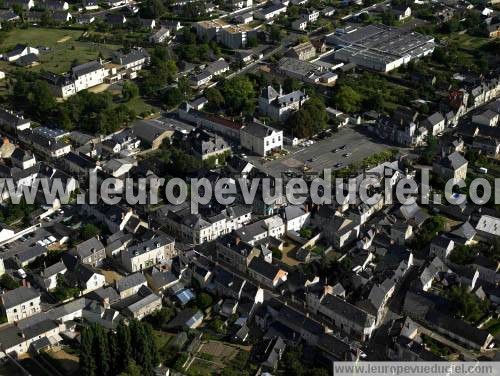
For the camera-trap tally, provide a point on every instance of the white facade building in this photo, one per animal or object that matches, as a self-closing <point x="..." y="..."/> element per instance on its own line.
<point x="261" y="139"/>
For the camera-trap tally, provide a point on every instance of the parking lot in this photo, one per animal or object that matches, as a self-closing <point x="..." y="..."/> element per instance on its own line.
<point x="320" y="155"/>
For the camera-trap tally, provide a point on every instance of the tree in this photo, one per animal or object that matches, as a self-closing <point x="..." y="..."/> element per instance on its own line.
<point x="152" y="9"/>
<point x="124" y="339"/>
<point x="215" y="99"/>
<point x="203" y="301"/>
<point x="347" y="99"/>
<point x="8" y="283"/>
<point x="462" y="255"/>
<point x="467" y="305"/>
<point x="89" y="230"/>
<point x="41" y="99"/>
<point x="132" y="370"/>
<point x="87" y="362"/>
<point x="388" y="18"/>
<point x="277" y="254"/>
<point x="430" y="150"/>
<point x="275" y="33"/>
<point x="309" y="120"/>
<point x="101" y="351"/>
<point x="160" y="319"/>
<point x="291" y="84"/>
<point x="172" y="97"/>
<point x="217" y="325"/>
<point x="129" y="91"/>
<point x="239" y="95"/>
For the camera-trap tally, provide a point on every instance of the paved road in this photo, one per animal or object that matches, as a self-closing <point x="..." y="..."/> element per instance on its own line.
<point x="320" y="156"/>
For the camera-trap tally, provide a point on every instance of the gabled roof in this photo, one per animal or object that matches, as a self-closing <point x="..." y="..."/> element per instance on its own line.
<point x="18" y="296"/>
<point x="264" y="268"/>
<point x="88" y="247"/>
<point x="130" y="281"/>
<point x="347" y="310"/>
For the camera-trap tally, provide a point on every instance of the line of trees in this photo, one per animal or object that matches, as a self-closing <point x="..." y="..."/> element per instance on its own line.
<point x="131" y="350"/>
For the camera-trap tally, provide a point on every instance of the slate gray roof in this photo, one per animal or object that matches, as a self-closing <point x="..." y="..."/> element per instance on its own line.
<point x="31" y="253"/>
<point x="133" y="55"/>
<point x="457" y="327"/>
<point x="258" y="130"/>
<point x="229" y="241"/>
<point x="465" y="231"/>
<point x="18" y="296"/>
<point x="216" y="66"/>
<point x="83" y="69"/>
<point x="89" y="247"/>
<point x="269" y="93"/>
<point x="441" y="241"/>
<point x="263" y="268"/>
<point x="453" y="161"/>
<point x="146" y="246"/>
<point x="130" y="281"/>
<point x="347" y="310"/>
<point x="11" y="119"/>
<point x="149" y="130"/>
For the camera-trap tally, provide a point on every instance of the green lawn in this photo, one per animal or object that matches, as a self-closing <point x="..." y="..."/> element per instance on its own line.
<point x="64" y="47"/>
<point x="139" y="106"/>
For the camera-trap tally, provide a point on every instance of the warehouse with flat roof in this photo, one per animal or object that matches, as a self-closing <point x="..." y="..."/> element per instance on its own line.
<point x="380" y="47"/>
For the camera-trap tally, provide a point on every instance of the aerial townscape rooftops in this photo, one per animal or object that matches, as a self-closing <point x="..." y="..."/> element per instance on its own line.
<point x="247" y="187"/>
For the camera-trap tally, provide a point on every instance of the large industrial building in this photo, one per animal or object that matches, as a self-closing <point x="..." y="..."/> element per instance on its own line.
<point x="380" y="47"/>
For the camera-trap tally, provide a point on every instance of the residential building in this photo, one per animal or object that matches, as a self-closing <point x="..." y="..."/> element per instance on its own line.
<point x="91" y="252"/>
<point x="269" y="12"/>
<point x="261" y="139"/>
<point x="20" y="303"/>
<point x="435" y="123"/>
<point x="266" y="273"/>
<point x="278" y="106"/>
<point x="303" y="51"/>
<point x="130" y="284"/>
<point x="488" y="117"/>
<point x="134" y="60"/>
<point x="237" y="36"/>
<point x="13" y="122"/>
<point x="300" y="23"/>
<point x="402" y="12"/>
<point x="216" y="68"/>
<point x="207" y="145"/>
<point x="453" y="166"/>
<point x="345" y="316"/>
<point x="441" y="246"/>
<point x="19" y="51"/>
<point x="160" y="36"/>
<point x="235" y="252"/>
<point x="144" y="255"/>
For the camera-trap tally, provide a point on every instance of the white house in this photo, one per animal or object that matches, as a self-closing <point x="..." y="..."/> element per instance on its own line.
<point x="441" y="246"/>
<point x="300" y="23"/>
<point x="488" y="117"/>
<point x="435" y="123"/>
<point x="19" y="51"/>
<point x="261" y="139"/>
<point x="295" y="217"/>
<point x="20" y="303"/>
<point x="147" y="254"/>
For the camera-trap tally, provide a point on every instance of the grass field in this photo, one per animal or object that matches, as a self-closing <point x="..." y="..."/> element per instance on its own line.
<point x="63" y="44"/>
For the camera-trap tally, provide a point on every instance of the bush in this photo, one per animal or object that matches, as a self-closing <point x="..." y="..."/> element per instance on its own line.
<point x="277" y="254"/>
<point x="8" y="283"/>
